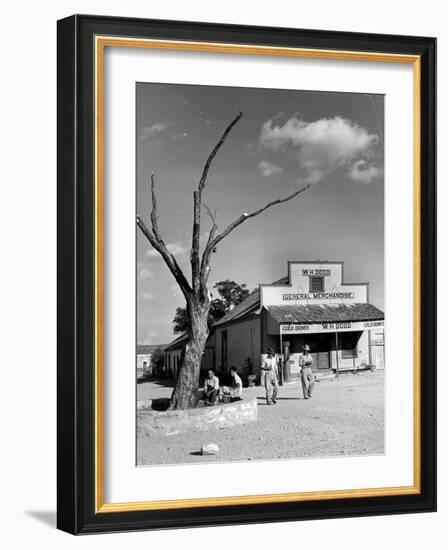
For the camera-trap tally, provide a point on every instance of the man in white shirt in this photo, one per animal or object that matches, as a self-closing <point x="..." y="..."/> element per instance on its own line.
<point x="236" y="389"/>
<point x="211" y="388"/>
<point x="269" y="367"/>
<point x="306" y="363"/>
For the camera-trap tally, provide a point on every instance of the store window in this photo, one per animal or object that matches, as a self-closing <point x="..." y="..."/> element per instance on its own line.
<point x="316" y="284"/>
<point x="350" y="353"/>
<point x="349" y="344"/>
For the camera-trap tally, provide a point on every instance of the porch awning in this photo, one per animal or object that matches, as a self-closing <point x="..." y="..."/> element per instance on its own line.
<point x="315" y="319"/>
<point x="324" y="313"/>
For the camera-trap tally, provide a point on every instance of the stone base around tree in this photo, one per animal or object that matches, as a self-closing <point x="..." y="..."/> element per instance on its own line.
<point x="150" y="422"/>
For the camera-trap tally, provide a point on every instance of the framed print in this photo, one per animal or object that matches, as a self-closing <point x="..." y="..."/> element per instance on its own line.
<point x="246" y="274"/>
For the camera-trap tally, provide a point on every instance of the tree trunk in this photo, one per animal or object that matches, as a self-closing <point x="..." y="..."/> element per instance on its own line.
<point x="185" y="394"/>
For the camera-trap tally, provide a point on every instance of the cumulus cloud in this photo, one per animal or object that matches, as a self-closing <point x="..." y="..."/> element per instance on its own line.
<point x="143" y="272"/>
<point x="363" y="172"/>
<point x="268" y="168"/>
<point x="151" y="131"/>
<point x="175" y="248"/>
<point x="161" y="133"/>
<point x="322" y="146"/>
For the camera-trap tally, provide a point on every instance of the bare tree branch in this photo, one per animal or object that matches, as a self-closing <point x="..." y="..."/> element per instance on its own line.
<point x="246" y="216"/>
<point x="158" y="243"/>
<point x="197" y="200"/>
<point x="214" y="240"/>
<point x="215" y="149"/>
<point x="170" y="260"/>
<point x="210" y="213"/>
<point x="154" y="214"/>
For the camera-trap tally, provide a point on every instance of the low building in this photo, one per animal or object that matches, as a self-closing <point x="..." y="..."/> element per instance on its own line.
<point x="173" y="355"/>
<point x="145" y="356"/>
<point x="143" y="364"/>
<point x="312" y="305"/>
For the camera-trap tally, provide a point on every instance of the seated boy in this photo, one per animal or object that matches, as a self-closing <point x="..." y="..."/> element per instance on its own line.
<point x="211" y="388"/>
<point x="234" y="392"/>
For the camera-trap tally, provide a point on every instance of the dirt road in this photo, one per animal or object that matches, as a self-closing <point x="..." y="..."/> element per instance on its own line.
<point x="344" y="417"/>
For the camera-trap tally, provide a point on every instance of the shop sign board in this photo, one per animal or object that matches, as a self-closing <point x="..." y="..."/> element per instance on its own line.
<point x="338" y="326"/>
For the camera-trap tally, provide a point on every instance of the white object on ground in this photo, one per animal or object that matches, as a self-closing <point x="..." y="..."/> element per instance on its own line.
<point x="210" y="449"/>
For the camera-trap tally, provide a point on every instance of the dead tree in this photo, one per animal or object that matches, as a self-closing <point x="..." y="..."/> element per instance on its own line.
<point x="196" y="293"/>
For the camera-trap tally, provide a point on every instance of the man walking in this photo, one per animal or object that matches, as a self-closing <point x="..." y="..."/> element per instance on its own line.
<point x="306" y="363"/>
<point x="269" y="367"/>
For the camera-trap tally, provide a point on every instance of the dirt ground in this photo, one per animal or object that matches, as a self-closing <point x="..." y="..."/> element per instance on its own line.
<point x="344" y="417"/>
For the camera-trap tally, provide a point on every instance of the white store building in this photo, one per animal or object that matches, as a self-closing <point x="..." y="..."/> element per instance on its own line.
<point x="312" y="305"/>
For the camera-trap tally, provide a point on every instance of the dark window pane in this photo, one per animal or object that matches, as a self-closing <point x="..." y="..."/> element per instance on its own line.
<point x="316" y="284"/>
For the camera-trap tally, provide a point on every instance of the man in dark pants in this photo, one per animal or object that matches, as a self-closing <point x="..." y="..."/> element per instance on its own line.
<point x="306" y="363"/>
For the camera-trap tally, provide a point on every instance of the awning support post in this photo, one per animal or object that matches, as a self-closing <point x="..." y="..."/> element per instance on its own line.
<point x="337" y="355"/>
<point x="281" y="357"/>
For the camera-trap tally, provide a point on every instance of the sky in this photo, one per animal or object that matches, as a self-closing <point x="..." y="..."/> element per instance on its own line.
<point x="285" y="140"/>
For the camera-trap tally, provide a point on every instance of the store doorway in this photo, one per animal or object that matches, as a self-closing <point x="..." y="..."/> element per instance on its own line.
<point x="320" y="351"/>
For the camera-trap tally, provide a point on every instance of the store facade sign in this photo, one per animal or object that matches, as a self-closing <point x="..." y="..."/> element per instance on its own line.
<point x="310" y="296"/>
<point x="298" y="290"/>
<point x="316" y="272"/>
<point x="339" y="326"/>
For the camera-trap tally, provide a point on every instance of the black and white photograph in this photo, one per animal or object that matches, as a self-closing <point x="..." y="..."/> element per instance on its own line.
<point x="259" y="274"/>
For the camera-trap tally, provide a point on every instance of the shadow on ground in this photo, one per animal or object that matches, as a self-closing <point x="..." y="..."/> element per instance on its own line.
<point x="160" y="404"/>
<point x="164" y="382"/>
<point x="262" y="400"/>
